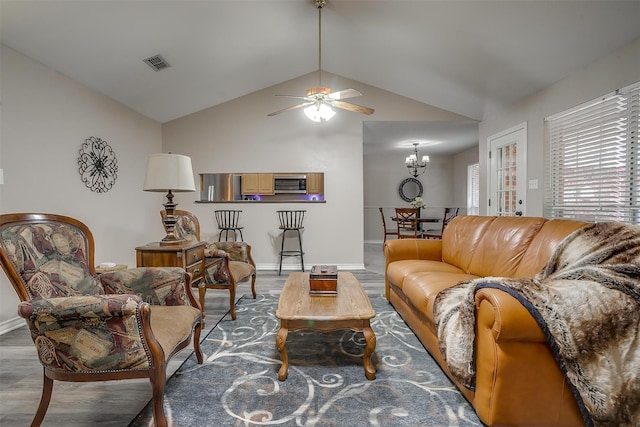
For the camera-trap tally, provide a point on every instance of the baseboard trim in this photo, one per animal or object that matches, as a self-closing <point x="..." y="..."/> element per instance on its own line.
<point x="11" y="324"/>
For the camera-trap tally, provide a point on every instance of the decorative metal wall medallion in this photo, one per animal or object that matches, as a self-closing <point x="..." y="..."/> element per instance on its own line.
<point x="98" y="166"/>
<point x="409" y="189"/>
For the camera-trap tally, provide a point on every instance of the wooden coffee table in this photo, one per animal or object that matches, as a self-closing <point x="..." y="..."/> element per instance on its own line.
<point x="349" y="309"/>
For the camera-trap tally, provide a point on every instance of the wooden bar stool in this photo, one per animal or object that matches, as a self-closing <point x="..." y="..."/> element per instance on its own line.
<point x="228" y="222"/>
<point x="291" y="221"/>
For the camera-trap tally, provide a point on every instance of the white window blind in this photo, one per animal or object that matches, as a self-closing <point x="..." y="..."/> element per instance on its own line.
<point x="594" y="160"/>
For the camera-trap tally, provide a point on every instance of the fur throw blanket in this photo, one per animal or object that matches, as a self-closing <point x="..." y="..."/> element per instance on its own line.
<point x="587" y="302"/>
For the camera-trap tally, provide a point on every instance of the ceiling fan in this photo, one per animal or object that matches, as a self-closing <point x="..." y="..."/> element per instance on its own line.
<point x="318" y="101"/>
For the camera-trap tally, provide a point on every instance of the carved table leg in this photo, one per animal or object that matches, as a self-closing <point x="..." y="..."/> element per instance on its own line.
<point x="370" y="337"/>
<point x="281" y="340"/>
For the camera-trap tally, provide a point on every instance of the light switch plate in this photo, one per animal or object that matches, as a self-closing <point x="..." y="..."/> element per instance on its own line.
<point x="533" y="184"/>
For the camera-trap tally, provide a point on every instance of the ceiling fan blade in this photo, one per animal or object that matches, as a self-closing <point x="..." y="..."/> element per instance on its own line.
<point x="353" y="107"/>
<point x="294" y="96"/>
<point x="284" y="110"/>
<point x="344" y="94"/>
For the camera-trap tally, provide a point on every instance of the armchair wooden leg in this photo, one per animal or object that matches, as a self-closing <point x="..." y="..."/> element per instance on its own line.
<point x="158" y="379"/>
<point x="253" y="285"/>
<point x="196" y="343"/>
<point x="47" y="389"/>
<point x="202" y="290"/>
<point x="232" y="300"/>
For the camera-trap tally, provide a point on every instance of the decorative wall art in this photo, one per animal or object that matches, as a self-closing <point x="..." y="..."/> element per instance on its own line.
<point x="409" y="189"/>
<point x="98" y="166"/>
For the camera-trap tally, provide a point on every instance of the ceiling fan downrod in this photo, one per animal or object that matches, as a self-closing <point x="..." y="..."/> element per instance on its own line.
<point x="319" y="4"/>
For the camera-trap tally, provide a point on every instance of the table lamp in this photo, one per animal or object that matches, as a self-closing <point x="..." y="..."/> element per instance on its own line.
<point x="170" y="173"/>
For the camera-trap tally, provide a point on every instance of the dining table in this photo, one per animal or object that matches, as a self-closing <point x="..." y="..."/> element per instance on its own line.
<point x="421" y="221"/>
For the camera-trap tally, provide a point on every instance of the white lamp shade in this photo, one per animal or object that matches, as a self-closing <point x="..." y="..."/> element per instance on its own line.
<point x="169" y="172"/>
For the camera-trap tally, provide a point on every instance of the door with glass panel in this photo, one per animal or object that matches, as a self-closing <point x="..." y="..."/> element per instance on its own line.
<point x="507" y="172"/>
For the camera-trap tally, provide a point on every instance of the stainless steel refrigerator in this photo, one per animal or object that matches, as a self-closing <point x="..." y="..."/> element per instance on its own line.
<point x="216" y="187"/>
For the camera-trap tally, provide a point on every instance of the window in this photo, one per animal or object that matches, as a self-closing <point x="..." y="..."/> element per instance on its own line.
<point x="473" y="189"/>
<point x="594" y="160"/>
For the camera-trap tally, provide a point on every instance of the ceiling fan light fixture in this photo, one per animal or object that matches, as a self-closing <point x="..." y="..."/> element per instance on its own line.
<point x="319" y="113"/>
<point x="319" y="102"/>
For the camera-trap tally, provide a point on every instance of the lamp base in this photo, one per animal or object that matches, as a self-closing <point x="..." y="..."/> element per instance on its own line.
<point x="169" y="222"/>
<point x="170" y="242"/>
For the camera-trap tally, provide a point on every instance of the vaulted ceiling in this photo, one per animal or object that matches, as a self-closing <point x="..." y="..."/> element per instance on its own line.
<point x="471" y="57"/>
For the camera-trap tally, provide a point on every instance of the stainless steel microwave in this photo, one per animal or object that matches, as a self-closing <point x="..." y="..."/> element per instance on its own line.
<point x="290" y="184"/>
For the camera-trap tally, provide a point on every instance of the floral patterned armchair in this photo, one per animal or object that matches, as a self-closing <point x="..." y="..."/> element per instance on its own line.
<point x="121" y="325"/>
<point x="226" y="263"/>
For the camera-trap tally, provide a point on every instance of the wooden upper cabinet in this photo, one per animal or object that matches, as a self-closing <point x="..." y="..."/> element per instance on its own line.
<point x="315" y="183"/>
<point x="249" y="183"/>
<point x="265" y="183"/>
<point x="257" y="183"/>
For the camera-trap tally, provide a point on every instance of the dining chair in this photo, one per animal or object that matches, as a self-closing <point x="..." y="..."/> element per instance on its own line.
<point x="86" y="327"/>
<point x="449" y="214"/>
<point x="408" y="225"/>
<point x="387" y="231"/>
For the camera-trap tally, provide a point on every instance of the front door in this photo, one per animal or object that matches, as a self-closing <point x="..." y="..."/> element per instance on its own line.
<point x="507" y="172"/>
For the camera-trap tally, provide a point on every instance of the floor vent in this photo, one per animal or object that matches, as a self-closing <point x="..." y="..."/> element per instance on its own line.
<point x="157" y="62"/>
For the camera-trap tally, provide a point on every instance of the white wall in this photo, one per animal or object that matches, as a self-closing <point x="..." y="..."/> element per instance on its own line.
<point x="239" y="137"/>
<point x="45" y="119"/>
<point x="615" y="71"/>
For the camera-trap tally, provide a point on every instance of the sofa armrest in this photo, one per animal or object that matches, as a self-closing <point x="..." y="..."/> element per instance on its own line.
<point x="401" y="249"/>
<point x="507" y="319"/>
<point x="94" y="333"/>
<point x="517" y="376"/>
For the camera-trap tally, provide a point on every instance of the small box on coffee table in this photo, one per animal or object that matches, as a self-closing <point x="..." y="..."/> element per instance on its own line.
<point x="323" y="279"/>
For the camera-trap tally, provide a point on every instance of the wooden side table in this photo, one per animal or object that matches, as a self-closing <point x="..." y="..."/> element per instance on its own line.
<point x="187" y="255"/>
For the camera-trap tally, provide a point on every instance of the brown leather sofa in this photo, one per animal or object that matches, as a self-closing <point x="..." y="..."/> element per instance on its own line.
<point x="518" y="381"/>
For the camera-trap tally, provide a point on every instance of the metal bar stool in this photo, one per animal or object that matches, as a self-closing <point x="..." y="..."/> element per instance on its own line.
<point x="291" y="221"/>
<point x="228" y="222"/>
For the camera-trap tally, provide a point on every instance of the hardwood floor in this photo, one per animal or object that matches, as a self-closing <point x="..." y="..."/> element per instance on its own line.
<point x="115" y="403"/>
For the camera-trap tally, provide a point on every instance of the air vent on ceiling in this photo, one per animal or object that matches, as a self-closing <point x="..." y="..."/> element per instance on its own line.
<point x="157" y="62"/>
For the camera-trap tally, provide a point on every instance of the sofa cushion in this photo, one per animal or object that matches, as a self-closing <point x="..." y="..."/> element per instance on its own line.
<point x="506" y="240"/>
<point x="461" y="238"/>
<point x="241" y="271"/>
<point x="543" y="245"/>
<point x="171" y="326"/>
<point x="421" y="289"/>
<point x="397" y="271"/>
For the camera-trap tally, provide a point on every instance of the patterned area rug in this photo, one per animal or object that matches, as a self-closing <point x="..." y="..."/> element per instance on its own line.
<point x="238" y="383"/>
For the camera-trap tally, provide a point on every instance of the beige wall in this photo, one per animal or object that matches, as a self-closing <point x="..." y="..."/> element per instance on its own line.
<point x="615" y="71"/>
<point x="45" y="119"/>
<point x="239" y="137"/>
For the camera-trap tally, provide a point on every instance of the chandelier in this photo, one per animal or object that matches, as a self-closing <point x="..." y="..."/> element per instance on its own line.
<point x="416" y="167"/>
